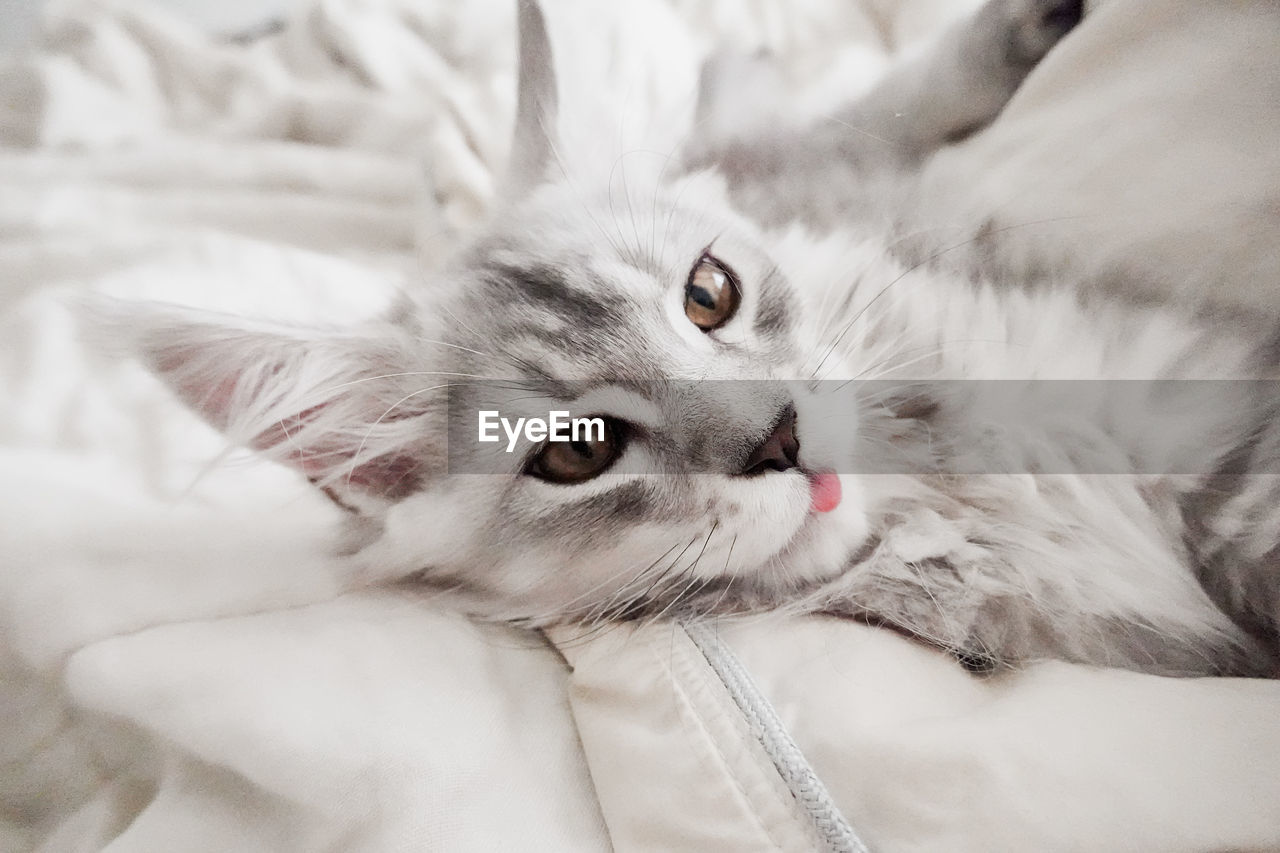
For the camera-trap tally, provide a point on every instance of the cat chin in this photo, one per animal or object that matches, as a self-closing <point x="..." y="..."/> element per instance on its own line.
<point x="822" y="546"/>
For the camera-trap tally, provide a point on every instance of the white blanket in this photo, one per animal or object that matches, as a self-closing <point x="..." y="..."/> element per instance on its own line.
<point x="183" y="666"/>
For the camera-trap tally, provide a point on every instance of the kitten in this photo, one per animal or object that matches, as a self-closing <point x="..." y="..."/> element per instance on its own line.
<point x="678" y="309"/>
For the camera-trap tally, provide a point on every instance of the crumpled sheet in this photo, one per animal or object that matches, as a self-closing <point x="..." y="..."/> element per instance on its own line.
<point x="183" y="665"/>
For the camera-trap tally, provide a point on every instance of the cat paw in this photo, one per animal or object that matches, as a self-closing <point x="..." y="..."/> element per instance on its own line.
<point x="1027" y="29"/>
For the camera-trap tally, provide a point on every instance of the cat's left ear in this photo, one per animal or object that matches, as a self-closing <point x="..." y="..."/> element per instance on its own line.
<point x="534" y="142"/>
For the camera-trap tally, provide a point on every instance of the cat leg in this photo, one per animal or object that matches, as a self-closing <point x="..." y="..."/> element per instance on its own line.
<point x="952" y="90"/>
<point x="960" y="85"/>
<point x="778" y="172"/>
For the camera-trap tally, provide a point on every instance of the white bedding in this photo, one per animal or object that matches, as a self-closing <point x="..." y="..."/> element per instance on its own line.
<point x="183" y="666"/>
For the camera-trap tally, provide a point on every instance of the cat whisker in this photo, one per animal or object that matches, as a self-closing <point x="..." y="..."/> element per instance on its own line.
<point x="363" y="441"/>
<point x="402" y="374"/>
<point x="883" y="368"/>
<point x="860" y="131"/>
<point x="681" y="596"/>
<point x="568" y="606"/>
<point x="668" y="158"/>
<point x="588" y="635"/>
<point x="835" y="343"/>
<point x="569" y="180"/>
<point x="666" y="227"/>
<point x="500" y="358"/>
<point x="731" y="574"/>
<point x="630" y="254"/>
<point x="637" y="259"/>
<point x="870" y="326"/>
<point x="455" y="346"/>
<point x="622" y="600"/>
<point x="846" y="288"/>
<point x="664" y="578"/>
<point x="925" y="261"/>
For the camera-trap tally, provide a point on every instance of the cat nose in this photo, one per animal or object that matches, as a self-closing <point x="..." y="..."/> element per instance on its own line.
<point x="779" y="451"/>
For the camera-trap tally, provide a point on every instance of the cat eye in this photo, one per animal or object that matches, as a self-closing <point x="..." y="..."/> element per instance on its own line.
<point x="711" y="294"/>
<point x="580" y="460"/>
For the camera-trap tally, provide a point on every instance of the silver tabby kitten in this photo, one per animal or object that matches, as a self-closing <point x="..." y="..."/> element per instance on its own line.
<point x="721" y="319"/>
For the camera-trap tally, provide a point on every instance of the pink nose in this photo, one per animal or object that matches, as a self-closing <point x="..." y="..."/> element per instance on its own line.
<point x="779" y="451"/>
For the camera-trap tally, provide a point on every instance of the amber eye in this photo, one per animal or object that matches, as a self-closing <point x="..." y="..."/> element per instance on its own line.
<point x="579" y="460"/>
<point x="711" y="295"/>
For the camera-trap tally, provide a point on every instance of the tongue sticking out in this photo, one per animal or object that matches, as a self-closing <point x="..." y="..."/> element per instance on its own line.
<point x="824" y="492"/>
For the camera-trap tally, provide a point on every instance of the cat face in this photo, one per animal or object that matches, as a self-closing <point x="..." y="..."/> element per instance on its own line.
<point x="679" y="331"/>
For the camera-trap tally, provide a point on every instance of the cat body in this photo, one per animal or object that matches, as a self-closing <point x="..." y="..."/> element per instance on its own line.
<point x="723" y="313"/>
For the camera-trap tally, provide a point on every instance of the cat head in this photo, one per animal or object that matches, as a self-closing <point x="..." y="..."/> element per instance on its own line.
<point x="644" y="303"/>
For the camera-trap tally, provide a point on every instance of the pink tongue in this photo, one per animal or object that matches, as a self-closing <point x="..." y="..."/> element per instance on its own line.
<point x="824" y="492"/>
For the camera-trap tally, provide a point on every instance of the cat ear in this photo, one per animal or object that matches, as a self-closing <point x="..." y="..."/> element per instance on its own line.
<point x="533" y="145"/>
<point x="344" y="409"/>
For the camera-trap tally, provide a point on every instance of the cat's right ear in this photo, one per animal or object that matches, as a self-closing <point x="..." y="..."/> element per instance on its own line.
<point x="346" y="409"/>
<point x="534" y="143"/>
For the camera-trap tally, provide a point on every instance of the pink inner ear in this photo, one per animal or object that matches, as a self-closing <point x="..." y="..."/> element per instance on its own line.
<point x="211" y="400"/>
<point x="207" y="380"/>
<point x="393" y="476"/>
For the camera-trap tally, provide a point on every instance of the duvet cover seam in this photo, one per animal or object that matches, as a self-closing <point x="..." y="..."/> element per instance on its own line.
<point x="787" y="758"/>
